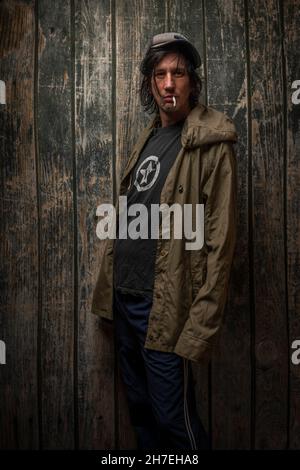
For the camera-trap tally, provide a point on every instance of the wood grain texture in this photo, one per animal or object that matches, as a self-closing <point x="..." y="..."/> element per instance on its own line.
<point x="18" y="231"/>
<point x="136" y="23"/>
<point x="271" y="346"/>
<point x="186" y="17"/>
<point x="291" y="17"/>
<point x="226" y="87"/>
<point x="66" y="133"/>
<point x="94" y="154"/>
<point x="56" y="227"/>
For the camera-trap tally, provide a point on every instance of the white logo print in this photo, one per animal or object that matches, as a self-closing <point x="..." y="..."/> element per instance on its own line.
<point x="147" y="174"/>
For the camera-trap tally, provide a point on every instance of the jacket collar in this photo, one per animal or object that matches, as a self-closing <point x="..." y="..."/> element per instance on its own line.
<point x="206" y="125"/>
<point x="203" y="125"/>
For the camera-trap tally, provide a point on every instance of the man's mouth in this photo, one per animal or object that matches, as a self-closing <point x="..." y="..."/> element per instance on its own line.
<point x="169" y="98"/>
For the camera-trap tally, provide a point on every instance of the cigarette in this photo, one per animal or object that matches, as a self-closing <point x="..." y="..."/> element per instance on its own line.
<point x="174" y="101"/>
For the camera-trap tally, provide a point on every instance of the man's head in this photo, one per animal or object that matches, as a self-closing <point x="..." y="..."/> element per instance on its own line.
<point x="168" y="70"/>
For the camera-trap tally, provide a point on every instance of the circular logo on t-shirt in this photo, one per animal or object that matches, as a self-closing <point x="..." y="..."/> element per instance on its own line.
<point x="147" y="173"/>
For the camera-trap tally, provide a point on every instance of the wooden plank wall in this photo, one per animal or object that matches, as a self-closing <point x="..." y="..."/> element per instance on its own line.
<point x="19" y="317"/>
<point x="226" y="71"/>
<point x="291" y="64"/>
<point x="71" y="116"/>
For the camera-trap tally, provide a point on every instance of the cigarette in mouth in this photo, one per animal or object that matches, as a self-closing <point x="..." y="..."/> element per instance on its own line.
<point x="174" y="101"/>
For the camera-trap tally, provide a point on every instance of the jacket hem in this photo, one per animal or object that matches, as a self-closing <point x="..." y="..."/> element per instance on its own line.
<point x="158" y="347"/>
<point x="199" y="351"/>
<point x="105" y="315"/>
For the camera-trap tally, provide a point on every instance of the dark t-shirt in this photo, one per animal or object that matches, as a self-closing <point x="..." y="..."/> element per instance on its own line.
<point x="134" y="259"/>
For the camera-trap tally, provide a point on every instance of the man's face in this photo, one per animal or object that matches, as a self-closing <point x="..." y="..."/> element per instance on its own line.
<point x="172" y="79"/>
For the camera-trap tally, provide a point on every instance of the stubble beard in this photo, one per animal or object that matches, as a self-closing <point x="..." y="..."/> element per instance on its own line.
<point x="167" y="107"/>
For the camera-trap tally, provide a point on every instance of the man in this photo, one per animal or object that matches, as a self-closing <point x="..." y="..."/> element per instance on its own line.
<point x="167" y="301"/>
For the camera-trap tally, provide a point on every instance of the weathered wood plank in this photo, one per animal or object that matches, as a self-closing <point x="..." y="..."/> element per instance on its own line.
<point x="291" y="19"/>
<point x="185" y="17"/>
<point x="69" y="249"/>
<point x="56" y="227"/>
<point x="136" y="23"/>
<point x="267" y="140"/>
<point x="18" y="230"/>
<point x="94" y="154"/>
<point x="231" y="367"/>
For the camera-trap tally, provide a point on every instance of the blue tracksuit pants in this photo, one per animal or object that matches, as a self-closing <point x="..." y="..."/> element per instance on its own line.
<point x="159" y="385"/>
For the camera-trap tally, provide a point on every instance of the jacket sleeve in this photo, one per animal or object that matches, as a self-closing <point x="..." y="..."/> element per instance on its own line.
<point x="199" y="333"/>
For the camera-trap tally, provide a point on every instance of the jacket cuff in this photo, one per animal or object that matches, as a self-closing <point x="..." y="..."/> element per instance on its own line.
<point x="194" y="349"/>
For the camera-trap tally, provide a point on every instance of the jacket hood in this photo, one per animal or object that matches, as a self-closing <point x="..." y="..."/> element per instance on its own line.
<point x="206" y="125"/>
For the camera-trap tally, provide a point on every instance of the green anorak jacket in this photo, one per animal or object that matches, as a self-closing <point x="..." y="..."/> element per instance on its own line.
<point x="190" y="286"/>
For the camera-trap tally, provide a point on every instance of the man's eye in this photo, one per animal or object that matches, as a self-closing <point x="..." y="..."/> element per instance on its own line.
<point x="179" y="73"/>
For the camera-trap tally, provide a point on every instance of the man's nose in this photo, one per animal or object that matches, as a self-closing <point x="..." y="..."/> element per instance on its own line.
<point x="169" y="81"/>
